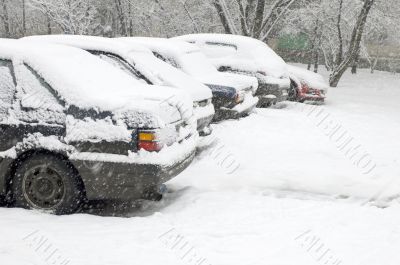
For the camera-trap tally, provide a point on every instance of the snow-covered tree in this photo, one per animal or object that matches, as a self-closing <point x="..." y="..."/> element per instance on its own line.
<point x="72" y="16"/>
<point x="5" y="18"/>
<point x="254" y="18"/>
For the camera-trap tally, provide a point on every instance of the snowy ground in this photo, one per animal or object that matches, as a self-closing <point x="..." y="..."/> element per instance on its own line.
<point x="273" y="188"/>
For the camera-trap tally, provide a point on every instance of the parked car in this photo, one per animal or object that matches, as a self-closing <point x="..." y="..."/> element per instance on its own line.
<point x="239" y="54"/>
<point x="306" y="85"/>
<point x="232" y="93"/>
<point x="73" y="128"/>
<point x="139" y="62"/>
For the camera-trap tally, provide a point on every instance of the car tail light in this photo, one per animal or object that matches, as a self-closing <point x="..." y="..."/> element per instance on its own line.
<point x="239" y="97"/>
<point x="304" y="88"/>
<point x="149" y="141"/>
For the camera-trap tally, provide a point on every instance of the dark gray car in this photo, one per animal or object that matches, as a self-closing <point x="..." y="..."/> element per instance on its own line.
<point x="69" y="132"/>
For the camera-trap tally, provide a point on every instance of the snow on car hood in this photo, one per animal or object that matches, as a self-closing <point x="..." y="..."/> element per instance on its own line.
<point x="85" y="81"/>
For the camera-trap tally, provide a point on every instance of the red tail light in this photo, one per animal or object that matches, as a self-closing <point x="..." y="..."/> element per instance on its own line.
<point x="149" y="146"/>
<point x="304" y="88"/>
<point x="149" y="141"/>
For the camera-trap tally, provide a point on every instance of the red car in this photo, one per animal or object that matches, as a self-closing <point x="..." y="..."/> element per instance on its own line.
<point x="306" y="85"/>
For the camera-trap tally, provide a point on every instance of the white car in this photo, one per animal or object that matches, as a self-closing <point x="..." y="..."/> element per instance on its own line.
<point x="240" y="54"/>
<point x="233" y="94"/>
<point x="74" y="127"/>
<point x="139" y="62"/>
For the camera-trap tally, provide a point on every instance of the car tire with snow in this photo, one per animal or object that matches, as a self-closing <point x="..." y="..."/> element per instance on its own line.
<point x="293" y="91"/>
<point x="48" y="183"/>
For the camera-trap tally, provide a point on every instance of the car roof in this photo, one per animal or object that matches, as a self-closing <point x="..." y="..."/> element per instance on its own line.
<point x="91" y="43"/>
<point x="236" y="40"/>
<point x="82" y="79"/>
<point x="174" y="48"/>
<point x="251" y="53"/>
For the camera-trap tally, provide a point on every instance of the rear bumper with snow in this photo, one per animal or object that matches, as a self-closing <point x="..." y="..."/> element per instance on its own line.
<point x="128" y="177"/>
<point x="204" y="116"/>
<point x="314" y="97"/>
<point x="203" y="125"/>
<point x="240" y="110"/>
<point x="272" y="90"/>
<point x="123" y="181"/>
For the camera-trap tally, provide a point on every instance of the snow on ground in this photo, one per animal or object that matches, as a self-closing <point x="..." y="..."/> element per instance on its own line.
<point x="272" y="188"/>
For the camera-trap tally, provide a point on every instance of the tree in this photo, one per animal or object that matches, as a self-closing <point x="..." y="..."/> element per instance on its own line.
<point x="5" y="18"/>
<point x="72" y="16"/>
<point x="354" y="46"/>
<point x="256" y="18"/>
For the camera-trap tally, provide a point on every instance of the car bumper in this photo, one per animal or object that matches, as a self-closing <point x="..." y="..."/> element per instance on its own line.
<point x="240" y="110"/>
<point x="205" y="129"/>
<point x="204" y="121"/>
<point x="273" y="90"/>
<point x="116" y="180"/>
<point x="313" y="98"/>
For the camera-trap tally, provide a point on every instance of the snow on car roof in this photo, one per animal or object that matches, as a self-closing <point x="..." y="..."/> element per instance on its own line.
<point x="170" y="46"/>
<point x="166" y="74"/>
<point x="187" y="57"/>
<point x="84" y="80"/>
<point x="136" y="54"/>
<point x="314" y="80"/>
<point x="92" y="43"/>
<point x="251" y="54"/>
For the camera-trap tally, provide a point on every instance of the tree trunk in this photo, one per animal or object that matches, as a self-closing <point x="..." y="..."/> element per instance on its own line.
<point x="222" y="16"/>
<point x="354" y="47"/>
<point x="23" y="18"/>
<point x="373" y="64"/>
<point x="121" y="17"/>
<point x="355" y="65"/>
<point x="316" y="61"/>
<point x="130" y="19"/>
<point x="339" y="57"/>
<point x="48" y="25"/>
<point x="6" y="20"/>
<point x="259" y="17"/>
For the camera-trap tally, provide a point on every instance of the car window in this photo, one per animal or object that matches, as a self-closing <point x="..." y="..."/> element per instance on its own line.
<point x="218" y="50"/>
<point x="120" y="65"/>
<point x="36" y="92"/>
<point x="167" y="59"/>
<point x="7" y="87"/>
<point x="35" y="100"/>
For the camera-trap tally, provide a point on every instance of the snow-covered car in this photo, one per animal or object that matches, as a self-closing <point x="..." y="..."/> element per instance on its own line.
<point x="139" y="62"/>
<point x="239" y="54"/>
<point x="306" y="85"/>
<point x="233" y="94"/>
<point x="72" y="128"/>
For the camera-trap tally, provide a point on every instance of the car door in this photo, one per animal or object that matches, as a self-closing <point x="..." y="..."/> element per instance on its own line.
<point x="35" y="108"/>
<point x="7" y="94"/>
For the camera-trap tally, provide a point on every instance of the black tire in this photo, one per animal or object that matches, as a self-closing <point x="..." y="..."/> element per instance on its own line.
<point x="48" y="183"/>
<point x="152" y="195"/>
<point x="293" y="94"/>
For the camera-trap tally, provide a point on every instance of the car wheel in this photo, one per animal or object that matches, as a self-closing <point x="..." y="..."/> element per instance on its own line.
<point x="293" y="91"/>
<point x="48" y="183"/>
<point x="152" y="195"/>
